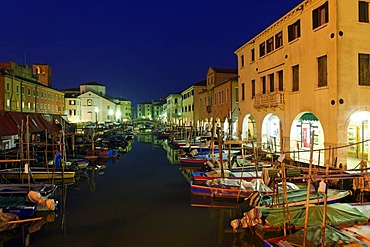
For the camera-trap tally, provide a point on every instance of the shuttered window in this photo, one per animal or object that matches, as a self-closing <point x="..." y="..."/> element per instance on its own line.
<point x="295" y="76"/>
<point x="294" y="31"/>
<point x="322" y="68"/>
<point x="364" y="69"/>
<point x="320" y="16"/>
<point x="363" y="11"/>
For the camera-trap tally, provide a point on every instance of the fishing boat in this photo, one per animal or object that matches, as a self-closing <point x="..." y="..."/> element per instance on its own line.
<point x="17" y="205"/>
<point x="333" y="237"/>
<point x="294" y="219"/>
<point x="207" y="175"/>
<point x="79" y="162"/>
<point x="101" y="153"/>
<point x="23" y="189"/>
<point x="198" y="161"/>
<point x="37" y="173"/>
<point x="228" y="188"/>
<point x="298" y="197"/>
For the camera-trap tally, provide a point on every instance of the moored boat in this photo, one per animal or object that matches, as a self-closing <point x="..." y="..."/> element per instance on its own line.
<point x="37" y="173"/>
<point x="245" y="175"/>
<point x="23" y="189"/>
<point x="228" y="188"/>
<point x="17" y="205"/>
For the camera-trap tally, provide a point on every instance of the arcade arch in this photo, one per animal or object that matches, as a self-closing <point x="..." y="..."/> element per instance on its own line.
<point x="303" y="126"/>
<point x="249" y="129"/>
<point x="270" y="133"/>
<point x="357" y="138"/>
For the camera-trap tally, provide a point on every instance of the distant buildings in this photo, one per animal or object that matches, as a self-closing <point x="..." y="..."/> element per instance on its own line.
<point x="91" y="104"/>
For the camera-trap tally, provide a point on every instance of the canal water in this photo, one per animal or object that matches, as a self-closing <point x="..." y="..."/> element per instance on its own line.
<point x="140" y="199"/>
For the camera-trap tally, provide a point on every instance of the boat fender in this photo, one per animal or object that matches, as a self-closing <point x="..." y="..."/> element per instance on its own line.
<point x="322" y="187"/>
<point x="26" y="168"/>
<point x="36" y="198"/>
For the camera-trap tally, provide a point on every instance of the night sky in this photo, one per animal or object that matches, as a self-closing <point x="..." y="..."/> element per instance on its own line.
<point x="140" y="49"/>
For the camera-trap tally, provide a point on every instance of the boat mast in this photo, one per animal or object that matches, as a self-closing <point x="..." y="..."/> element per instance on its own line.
<point x="308" y="190"/>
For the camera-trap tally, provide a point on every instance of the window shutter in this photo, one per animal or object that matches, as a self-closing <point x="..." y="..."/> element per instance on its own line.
<point x="315" y="19"/>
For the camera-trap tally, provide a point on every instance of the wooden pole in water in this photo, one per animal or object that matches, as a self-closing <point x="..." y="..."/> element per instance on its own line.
<point x="73" y="144"/>
<point x="219" y="143"/>
<point x="308" y="190"/>
<point x="323" y="226"/>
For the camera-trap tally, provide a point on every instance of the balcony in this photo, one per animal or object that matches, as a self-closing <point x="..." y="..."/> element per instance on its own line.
<point x="269" y="100"/>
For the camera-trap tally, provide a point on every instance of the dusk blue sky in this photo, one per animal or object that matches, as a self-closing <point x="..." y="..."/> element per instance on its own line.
<point x="140" y="49"/>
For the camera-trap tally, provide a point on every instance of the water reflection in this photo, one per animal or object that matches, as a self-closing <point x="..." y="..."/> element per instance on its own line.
<point x="140" y="199"/>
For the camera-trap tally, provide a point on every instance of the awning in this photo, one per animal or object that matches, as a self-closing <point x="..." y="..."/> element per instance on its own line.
<point x="41" y="123"/>
<point x="308" y="117"/>
<point x="55" y="121"/>
<point x="35" y="122"/>
<point x="7" y="126"/>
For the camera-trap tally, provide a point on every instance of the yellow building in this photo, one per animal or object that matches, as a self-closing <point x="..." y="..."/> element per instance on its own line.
<point x="217" y="101"/>
<point x="308" y="72"/>
<point x="28" y="90"/>
<point x="190" y="104"/>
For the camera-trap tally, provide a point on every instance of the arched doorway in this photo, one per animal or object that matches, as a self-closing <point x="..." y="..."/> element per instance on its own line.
<point x="226" y="129"/>
<point x="357" y="136"/>
<point x="303" y="127"/>
<point x="249" y="129"/>
<point x="270" y="133"/>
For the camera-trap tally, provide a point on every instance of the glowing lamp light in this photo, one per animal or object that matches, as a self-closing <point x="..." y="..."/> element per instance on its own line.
<point x="358" y="117"/>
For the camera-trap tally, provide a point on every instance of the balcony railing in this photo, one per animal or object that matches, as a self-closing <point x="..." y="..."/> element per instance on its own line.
<point x="269" y="100"/>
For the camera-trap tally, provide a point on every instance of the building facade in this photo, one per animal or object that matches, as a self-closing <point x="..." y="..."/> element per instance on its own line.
<point x="90" y="103"/>
<point x="305" y="79"/>
<point x="190" y="104"/>
<point x="27" y="92"/>
<point x="213" y="107"/>
<point x="173" y="115"/>
<point x="144" y="110"/>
